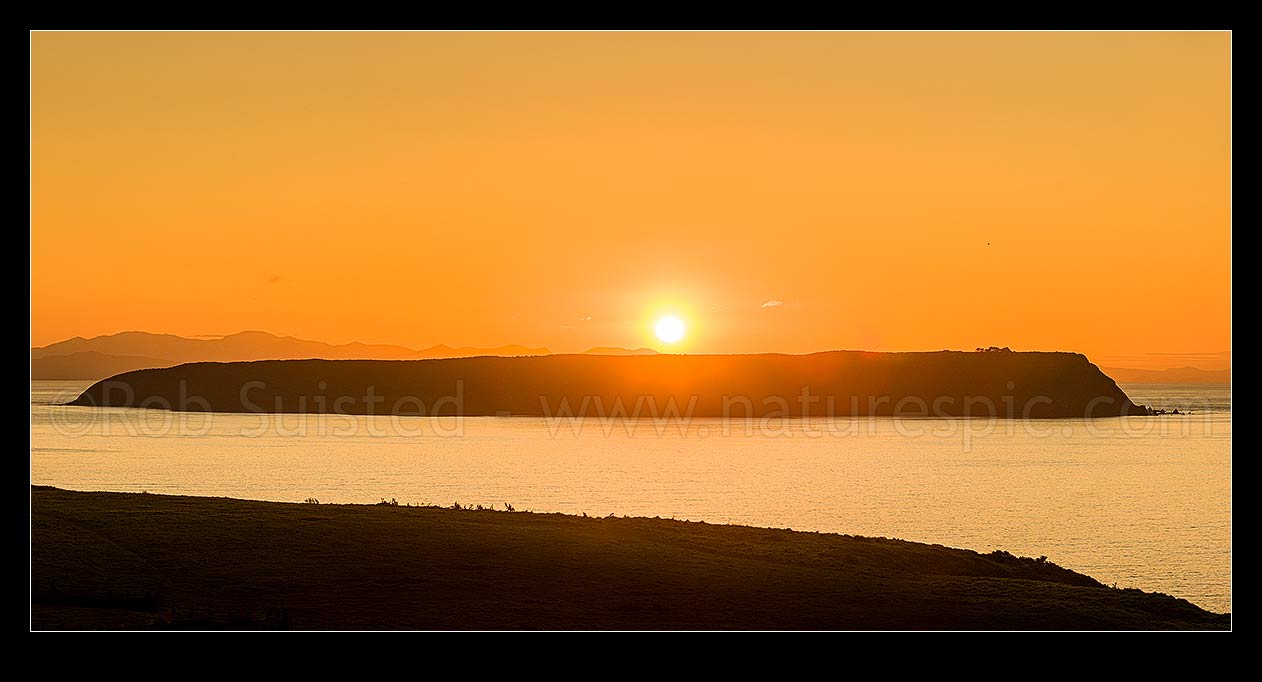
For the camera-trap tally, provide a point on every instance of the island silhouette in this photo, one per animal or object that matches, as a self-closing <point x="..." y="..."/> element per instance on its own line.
<point x="835" y="383"/>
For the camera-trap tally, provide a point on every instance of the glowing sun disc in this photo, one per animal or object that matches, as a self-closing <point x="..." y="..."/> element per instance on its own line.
<point x="670" y="329"/>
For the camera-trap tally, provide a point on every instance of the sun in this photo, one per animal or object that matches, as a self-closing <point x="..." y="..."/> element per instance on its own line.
<point x="670" y="329"/>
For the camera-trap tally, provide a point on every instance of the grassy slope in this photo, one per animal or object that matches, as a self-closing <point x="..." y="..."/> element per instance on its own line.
<point x="370" y="567"/>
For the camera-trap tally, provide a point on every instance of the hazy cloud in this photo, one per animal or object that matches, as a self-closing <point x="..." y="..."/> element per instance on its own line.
<point x="773" y="303"/>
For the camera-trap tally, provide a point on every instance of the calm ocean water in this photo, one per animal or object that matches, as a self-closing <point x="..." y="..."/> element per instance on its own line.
<point x="1139" y="501"/>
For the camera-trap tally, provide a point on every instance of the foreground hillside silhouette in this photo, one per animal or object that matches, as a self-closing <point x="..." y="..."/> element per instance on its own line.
<point x="836" y="383"/>
<point x="113" y="560"/>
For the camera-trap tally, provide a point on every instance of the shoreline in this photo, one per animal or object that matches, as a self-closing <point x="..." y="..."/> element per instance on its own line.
<point x="375" y="566"/>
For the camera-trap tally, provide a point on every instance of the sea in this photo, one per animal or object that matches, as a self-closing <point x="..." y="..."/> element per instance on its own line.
<point x="1141" y="502"/>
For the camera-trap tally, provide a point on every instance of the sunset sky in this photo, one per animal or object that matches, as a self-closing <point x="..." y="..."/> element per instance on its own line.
<point x="786" y="192"/>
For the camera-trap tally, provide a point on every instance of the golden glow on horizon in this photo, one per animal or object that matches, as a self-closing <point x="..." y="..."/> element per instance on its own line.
<point x="800" y="191"/>
<point x="670" y="329"/>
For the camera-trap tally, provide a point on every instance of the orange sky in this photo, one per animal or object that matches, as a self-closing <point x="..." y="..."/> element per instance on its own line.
<point x="895" y="191"/>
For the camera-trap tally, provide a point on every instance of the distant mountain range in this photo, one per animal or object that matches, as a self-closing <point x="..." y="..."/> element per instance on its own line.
<point x="614" y="350"/>
<point x="104" y="356"/>
<point x="1170" y="375"/>
<point x="1212" y="362"/>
